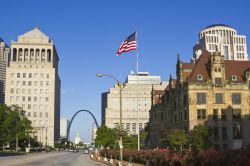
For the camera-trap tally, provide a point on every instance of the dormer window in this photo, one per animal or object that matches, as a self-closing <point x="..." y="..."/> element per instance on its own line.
<point x="234" y="78"/>
<point x="199" y="77"/>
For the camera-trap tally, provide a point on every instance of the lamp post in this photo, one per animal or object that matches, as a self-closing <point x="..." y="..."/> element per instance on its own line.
<point x="120" y="87"/>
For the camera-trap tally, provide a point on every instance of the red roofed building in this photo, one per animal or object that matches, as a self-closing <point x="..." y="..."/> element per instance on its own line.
<point x="215" y="91"/>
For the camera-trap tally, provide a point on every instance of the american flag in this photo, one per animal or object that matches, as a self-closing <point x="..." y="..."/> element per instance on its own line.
<point x="128" y="44"/>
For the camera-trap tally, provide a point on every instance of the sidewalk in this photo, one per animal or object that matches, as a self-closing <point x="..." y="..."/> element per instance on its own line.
<point x="115" y="162"/>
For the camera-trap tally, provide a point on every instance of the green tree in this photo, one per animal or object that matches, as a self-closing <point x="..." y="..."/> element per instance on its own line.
<point x="175" y="138"/>
<point x="13" y="125"/>
<point x="106" y="137"/>
<point x="200" y="137"/>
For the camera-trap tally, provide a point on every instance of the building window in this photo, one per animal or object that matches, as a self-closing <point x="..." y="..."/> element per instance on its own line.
<point x="216" y="133"/>
<point x="234" y="78"/>
<point x="215" y="114"/>
<point x="18" y="75"/>
<point x="29" y="114"/>
<point x="12" y="90"/>
<point x="46" y="99"/>
<point x="34" y="114"/>
<point x="30" y="75"/>
<point x="133" y="128"/>
<point x="236" y="114"/>
<point x="24" y="75"/>
<point x="218" y="98"/>
<point x="29" y="106"/>
<point x="237" y="131"/>
<point x="224" y="133"/>
<point x="217" y="81"/>
<point x="46" y="114"/>
<point x="29" y="83"/>
<point x="223" y="114"/>
<point x="140" y="126"/>
<point x="201" y="98"/>
<point x="201" y="114"/>
<point x="29" y="98"/>
<point x="236" y="98"/>
<point x="40" y="114"/>
<point x="47" y="75"/>
<point x="23" y="99"/>
<point x="199" y="77"/>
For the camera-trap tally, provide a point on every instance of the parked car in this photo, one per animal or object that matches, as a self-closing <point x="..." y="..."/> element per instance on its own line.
<point x="71" y="150"/>
<point x="76" y="150"/>
<point x="86" y="151"/>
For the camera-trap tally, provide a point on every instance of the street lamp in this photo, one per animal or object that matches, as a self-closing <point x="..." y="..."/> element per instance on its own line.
<point x="120" y="87"/>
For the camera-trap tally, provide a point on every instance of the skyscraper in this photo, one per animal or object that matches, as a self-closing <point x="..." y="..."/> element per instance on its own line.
<point x="225" y="39"/>
<point x="32" y="82"/>
<point x="4" y="57"/>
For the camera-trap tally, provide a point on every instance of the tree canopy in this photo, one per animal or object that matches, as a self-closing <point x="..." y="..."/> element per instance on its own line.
<point x="13" y="124"/>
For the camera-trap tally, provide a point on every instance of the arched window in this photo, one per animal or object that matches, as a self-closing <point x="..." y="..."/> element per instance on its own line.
<point x="43" y="55"/>
<point x="20" y="54"/>
<point x="48" y="55"/>
<point x="32" y="55"/>
<point x="25" y="54"/>
<point x="37" y="55"/>
<point x="14" y="54"/>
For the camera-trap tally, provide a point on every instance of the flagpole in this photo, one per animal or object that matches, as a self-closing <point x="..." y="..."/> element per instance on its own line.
<point x="137" y="67"/>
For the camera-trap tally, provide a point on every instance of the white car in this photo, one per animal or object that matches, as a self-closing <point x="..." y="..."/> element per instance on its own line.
<point x="71" y="150"/>
<point x="86" y="151"/>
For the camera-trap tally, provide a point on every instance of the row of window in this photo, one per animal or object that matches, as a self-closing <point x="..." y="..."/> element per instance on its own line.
<point x="32" y="55"/>
<point x="29" y="83"/>
<point x="202" y="98"/>
<point x="219" y="32"/>
<point x="131" y="127"/>
<point x="29" y="99"/>
<point x="237" y="132"/>
<point x="33" y="107"/>
<point x="239" y="48"/>
<point x="40" y="123"/>
<point x="240" y="55"/>
<point x="30" y="75"/>
<point x="202" y="114"/>
<point x="37" y="114"/>
<point x="212" y="39"/>
<point x="29" y="91"/>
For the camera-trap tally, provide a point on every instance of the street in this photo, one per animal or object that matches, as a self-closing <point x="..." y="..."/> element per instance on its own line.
<point x="50" y="159"/>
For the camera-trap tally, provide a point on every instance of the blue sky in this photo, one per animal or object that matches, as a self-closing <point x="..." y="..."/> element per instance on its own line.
<point x="88" y="33"/>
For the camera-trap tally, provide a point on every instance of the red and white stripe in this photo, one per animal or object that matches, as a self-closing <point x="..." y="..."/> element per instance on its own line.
<point x="126" y="46"/>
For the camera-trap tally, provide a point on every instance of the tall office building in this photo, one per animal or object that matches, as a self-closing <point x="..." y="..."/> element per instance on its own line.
<point x="4" y="58"/>
<point x="32" y="82"/>
<point x="64" y="123"/>
<point x="143" y="88"/>
<point x="231" y="45"/>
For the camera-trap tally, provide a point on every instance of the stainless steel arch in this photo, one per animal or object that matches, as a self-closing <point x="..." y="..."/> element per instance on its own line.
<point x="68" y="129"/>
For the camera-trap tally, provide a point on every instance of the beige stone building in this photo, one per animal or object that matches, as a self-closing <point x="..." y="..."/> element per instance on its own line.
<point x="215" y="91"/>
<point x="32" y="82"/>
<point x="130" y="93"/>
<point x="4" y="58"/>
